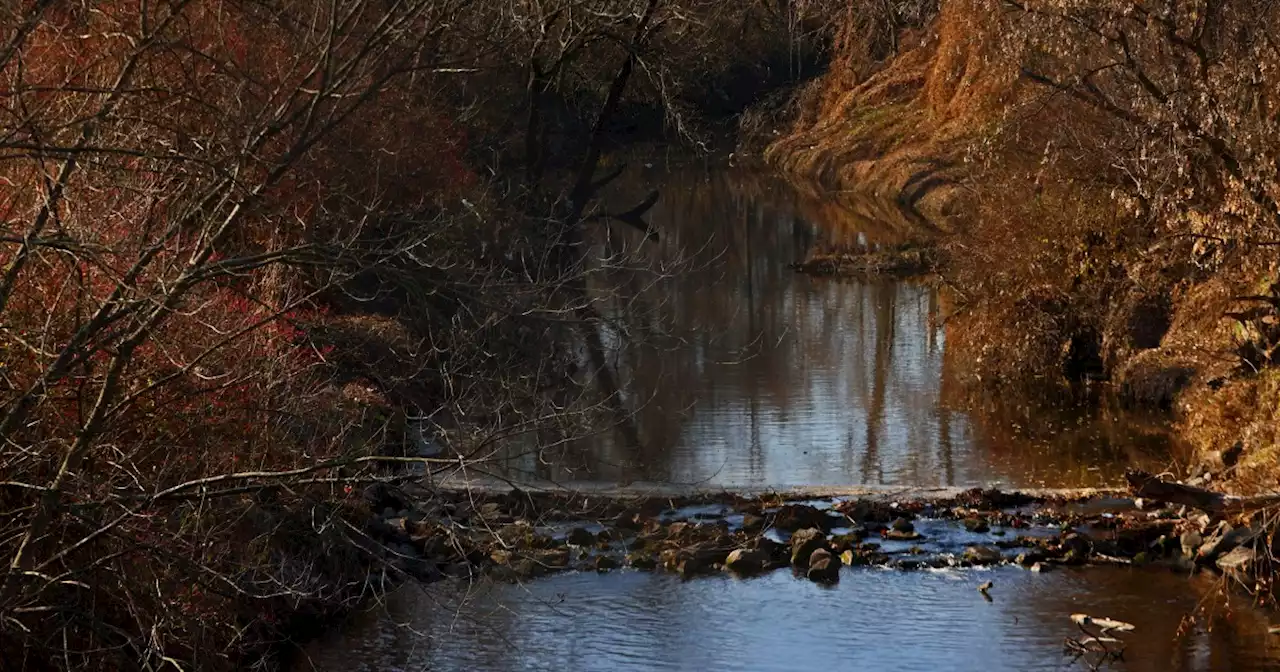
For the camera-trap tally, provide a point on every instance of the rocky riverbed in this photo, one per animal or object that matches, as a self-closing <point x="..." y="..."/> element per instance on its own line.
<point x="521" y="535"/>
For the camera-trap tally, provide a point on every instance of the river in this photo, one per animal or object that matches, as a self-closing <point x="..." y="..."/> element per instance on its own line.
<point x="752" y="376"/>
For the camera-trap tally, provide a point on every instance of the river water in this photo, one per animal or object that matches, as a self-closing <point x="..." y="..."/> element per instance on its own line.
<point x="750" y="375"/>
<point x="753" y="376"/>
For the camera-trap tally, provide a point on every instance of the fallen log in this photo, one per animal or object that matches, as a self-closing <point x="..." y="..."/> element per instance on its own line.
<point x="1147" y="486"/>
<point x="1106" y="625"/>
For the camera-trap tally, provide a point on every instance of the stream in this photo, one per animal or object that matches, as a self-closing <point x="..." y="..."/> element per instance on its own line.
<point x="752" y="376"/>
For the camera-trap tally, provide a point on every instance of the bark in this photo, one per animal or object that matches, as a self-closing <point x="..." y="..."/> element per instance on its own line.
<point x="1145" y="485"/>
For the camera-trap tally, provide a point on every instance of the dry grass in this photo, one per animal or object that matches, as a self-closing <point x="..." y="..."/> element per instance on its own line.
<point x="1065" y="265"/>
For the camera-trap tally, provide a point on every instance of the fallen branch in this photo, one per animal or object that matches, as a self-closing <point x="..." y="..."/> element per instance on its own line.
<point x="1100" y="648"/>
<point x="1147" y="486"/>
<point x="1143" y="484"/>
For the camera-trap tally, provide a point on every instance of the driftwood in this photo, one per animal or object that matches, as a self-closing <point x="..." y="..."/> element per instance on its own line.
<point x="1145" y="485"/>
<point x="1105" y="625"/>
<point x="1096" y="648"/>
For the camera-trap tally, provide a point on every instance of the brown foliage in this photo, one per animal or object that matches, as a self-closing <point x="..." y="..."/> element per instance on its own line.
<point x="245" y="247"/>
<point x="185" y="186"/>
<point x="1111" y="170"/>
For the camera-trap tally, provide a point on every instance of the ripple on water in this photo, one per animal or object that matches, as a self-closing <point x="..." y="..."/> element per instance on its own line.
<point x="873" y="619"/>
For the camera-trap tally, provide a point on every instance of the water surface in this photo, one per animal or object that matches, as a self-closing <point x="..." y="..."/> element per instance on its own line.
<point x="873" y="619"/>
<point x="748" y="374"/>
<point x="765" y="378"/>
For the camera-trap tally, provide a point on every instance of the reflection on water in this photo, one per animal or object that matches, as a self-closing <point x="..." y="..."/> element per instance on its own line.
<point x="769" y="378"/>
<point x="871" y="620"/>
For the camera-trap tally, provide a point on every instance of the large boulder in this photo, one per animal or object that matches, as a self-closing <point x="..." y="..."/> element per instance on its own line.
<point x="824" y="567"/>
<point x="778" y="553"/>
<point x="792" y="517"/>
<point x="804" y="543"/>
<point x="748" y="561"/>
<point x="864" y="511"/>
<point x="983" y="555"/>
<point x="695" y="560"/>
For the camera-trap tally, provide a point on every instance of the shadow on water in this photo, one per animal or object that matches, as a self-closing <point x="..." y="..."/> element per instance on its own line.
<point x="752" y="375"/>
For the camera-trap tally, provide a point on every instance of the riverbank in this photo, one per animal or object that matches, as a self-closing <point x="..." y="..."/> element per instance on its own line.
<point x="254" y="264"/>
<point x="1075" y="259"/>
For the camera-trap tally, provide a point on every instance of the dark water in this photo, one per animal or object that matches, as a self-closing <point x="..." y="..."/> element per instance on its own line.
<point x="872" y="620"/>
<point x="762" y="377"/>
<point x="766" y="378"/>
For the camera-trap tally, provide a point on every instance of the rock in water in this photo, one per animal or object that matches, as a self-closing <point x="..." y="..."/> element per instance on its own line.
<point x="850" y="540"/>
<point x="752" y="523"/>
<point x="983" y="555"/>
<point x="1029" y="558"/>
<point x="977" y="524"/>
<point x="802" y="516"/>
<point x="1076" y="549"/>
<point x="581" y="537"/>
<point x="823" y="566"/>
<point x="747" y="561"/>
<point x="1077" y="542"/>
<point x="804" y="543"/>
<point x="641" y="560"/>
<point x="777" y="553"/>
<point x="902" y="525"/>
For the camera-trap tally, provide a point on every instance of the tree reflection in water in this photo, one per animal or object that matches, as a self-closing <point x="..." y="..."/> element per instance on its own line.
<point x="752" y="375"/>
